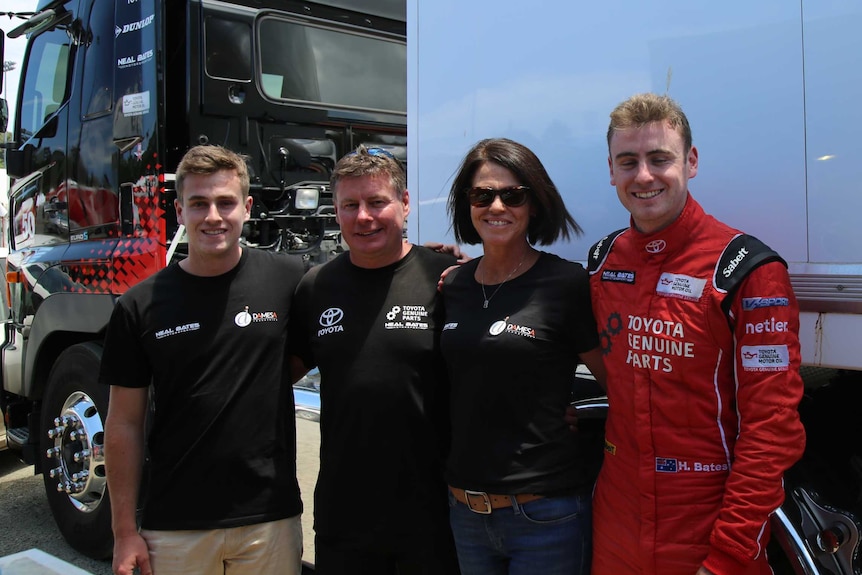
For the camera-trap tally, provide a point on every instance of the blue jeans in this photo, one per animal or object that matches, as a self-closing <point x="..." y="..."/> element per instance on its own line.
<point x="551" y="536"/>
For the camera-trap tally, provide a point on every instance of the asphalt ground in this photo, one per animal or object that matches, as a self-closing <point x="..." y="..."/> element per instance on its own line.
<point x="27" y="520"/>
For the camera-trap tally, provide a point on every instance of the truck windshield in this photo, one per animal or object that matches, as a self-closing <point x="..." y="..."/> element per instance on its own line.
<point x="44" y="81"/>
<point x="331" y="68"/>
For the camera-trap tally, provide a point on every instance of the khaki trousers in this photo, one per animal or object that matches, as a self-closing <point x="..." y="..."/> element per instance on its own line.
<point x="272" y="548"/>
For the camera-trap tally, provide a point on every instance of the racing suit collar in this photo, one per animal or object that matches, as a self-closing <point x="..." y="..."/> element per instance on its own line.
<point x="673" y="238"/>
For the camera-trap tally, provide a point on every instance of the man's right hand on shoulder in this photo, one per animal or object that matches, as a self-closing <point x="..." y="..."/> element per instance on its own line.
<point x="451" y="249"/>
<point x="131" y="551"/>
<point x="443" y="275"/>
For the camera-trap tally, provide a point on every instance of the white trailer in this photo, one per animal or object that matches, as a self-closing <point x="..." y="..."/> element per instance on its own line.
<point x="773" y="92"/>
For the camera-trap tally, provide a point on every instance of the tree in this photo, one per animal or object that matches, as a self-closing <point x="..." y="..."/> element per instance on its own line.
<point x="4" y="137"/>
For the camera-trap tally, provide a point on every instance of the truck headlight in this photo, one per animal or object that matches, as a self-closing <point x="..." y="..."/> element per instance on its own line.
<point x="307" y="198"/>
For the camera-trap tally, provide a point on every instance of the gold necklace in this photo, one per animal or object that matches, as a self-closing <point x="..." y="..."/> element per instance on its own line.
<point x="482" y="283"/>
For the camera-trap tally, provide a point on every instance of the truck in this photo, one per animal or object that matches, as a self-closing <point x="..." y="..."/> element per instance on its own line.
<point x="112" y="94"/>
<point x="772" y="90"/>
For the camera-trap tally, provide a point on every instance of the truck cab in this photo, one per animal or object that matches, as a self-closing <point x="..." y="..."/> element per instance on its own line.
<point x="112" y="94"/>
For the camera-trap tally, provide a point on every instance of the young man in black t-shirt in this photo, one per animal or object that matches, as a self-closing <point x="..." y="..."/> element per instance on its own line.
<point x="370" y="320"/>
<point x="208" y="333"/>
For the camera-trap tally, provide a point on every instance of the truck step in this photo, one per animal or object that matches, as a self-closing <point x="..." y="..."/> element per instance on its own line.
<point x="17" y="437"/>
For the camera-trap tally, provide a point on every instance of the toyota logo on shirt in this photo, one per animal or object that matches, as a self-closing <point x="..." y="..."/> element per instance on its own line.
<point x="656" y="246"/>
<point x="331" y="317"/>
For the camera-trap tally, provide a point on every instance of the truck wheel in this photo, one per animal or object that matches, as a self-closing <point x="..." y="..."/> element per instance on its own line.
<point x="73" y="458"/>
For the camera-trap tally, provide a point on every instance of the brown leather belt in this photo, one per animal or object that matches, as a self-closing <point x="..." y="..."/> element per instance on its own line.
<point x="484" y="503"/>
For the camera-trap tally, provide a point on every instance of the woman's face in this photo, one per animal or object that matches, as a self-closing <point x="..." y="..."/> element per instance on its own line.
<point x="498" y="223"/>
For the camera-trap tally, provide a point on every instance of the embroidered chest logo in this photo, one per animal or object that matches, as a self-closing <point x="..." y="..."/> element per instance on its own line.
<point x="613" y="326"/>
<point x="407" y="317"/>
<point x="648" y="343"/>
<point x="330" y="321"/>
<point x="752" y="303"/>
<point x="184" y="328"/>
<point x="765" y="357"/>
<point x="246" y="318"/>
<point x="680" y="286"/>
<point x="734" y="263"/>
<point x="621" y="276"/>
<point x="503" y="326"/>
<point x="673" y="465"/>
<point x="656" y="246"/>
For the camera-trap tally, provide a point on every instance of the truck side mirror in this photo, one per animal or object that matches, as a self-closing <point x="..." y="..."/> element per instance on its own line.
<point x="18" y="162"/>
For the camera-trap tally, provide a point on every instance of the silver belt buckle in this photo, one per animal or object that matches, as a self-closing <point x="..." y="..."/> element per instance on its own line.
<point x="485" y="500"/>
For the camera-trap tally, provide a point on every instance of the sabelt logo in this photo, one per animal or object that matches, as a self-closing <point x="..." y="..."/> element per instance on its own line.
<point x="734" y="263"/>
<point x="598" y="249"/>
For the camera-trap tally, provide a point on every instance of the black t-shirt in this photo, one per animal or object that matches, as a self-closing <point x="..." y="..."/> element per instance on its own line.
<point x="512" y="366"/>
<point x="222" y="445"/>
<point x="374" y="335"/>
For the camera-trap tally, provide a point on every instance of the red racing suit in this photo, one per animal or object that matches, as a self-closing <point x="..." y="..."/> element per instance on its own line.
<point x="699" y="329"/>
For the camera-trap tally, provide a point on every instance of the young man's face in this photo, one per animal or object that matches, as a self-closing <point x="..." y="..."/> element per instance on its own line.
<point x="650" y="169"/>
<point x="213" y="211"/>
<point x="371" y="216"/>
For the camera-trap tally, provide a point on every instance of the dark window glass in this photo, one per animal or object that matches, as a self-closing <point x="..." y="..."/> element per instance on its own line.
<point x="393" y="9"/>
<point x="44" y="80"/>
<point x="98" y="60"/>
<point x="228" y="49"/>
<point x="331" y="67"/>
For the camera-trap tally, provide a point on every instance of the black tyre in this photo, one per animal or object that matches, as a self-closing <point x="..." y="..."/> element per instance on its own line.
<point x="73" y="457"/>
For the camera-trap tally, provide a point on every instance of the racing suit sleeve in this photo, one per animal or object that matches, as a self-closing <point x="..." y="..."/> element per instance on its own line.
<point x="764" y="316"/>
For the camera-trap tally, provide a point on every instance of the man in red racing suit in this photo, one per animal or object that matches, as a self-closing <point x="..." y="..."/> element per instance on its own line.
<point x="699" y="327"/>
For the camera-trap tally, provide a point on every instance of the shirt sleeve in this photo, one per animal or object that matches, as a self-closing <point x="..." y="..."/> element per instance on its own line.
<point x="765" y="320"/>
<point x="298" y="331"/>
<point x="586" y="334"/>
<point x="124" y="358"/>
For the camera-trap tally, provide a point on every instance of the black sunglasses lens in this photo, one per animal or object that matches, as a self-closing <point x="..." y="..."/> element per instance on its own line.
<point x="513" y="197"/>
<point x="484" y="197"/>
<point x="481" y="198"/>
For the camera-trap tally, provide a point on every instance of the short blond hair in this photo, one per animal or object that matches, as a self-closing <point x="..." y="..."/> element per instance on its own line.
<point x="209" y="160"/>
<point x="642" y="109"/>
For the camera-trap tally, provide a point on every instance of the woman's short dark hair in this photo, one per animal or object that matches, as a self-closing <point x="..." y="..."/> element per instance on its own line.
<point x="551" y="220"/>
